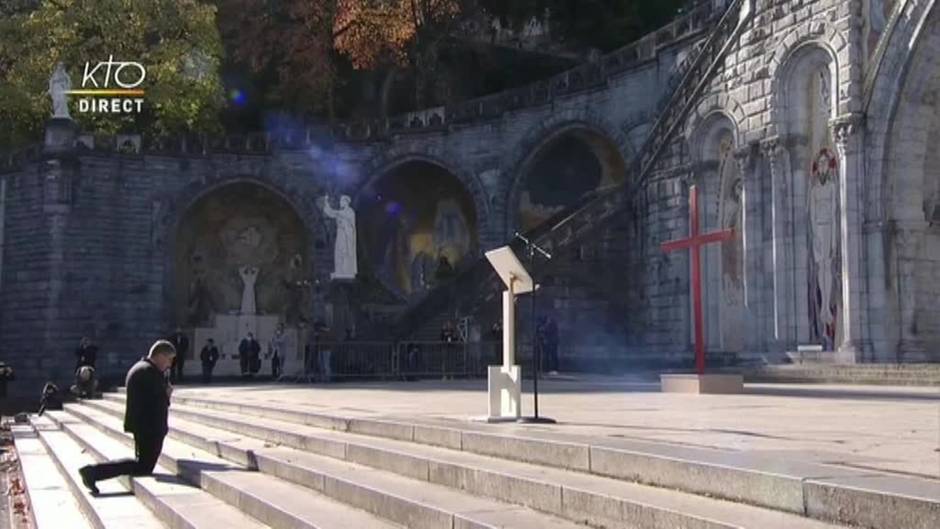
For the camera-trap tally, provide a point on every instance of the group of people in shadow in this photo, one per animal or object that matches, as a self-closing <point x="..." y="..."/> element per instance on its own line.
<point x="319" y="358"/>
<point x="249" y="355"/>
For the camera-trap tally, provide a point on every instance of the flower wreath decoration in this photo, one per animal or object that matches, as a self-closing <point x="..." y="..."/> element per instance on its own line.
<point x="825" y="163"/>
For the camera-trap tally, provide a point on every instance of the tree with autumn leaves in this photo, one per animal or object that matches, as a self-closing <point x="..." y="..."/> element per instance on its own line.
<point x="305" y="43"/>
<point x="305" y="51"/>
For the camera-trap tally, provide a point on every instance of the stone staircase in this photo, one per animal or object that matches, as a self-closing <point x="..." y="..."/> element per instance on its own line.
<point x="877" y="374"/>
<point x="477" y="284"/>
<point x="281" y="466"/>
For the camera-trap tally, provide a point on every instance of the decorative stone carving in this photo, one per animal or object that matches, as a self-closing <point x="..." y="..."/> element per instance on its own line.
<point x="772" y="149"/>
<point x="249" y="275"/>
<point x="824" y="226"/>
<point x="844" y="130"/>
<point x="730" y="253"/>
<point x="744" y="156"/>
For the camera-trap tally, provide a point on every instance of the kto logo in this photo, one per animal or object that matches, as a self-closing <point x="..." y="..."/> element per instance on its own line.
<point x="127" y="75"/>
<point x="112" y="87"/>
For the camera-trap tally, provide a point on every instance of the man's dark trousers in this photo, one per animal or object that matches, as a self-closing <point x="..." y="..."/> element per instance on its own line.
<point x="177" y="368"/>
<point x="146" y="447"/>
<point x="207" y="372"/>
<point x="147" y="407"/>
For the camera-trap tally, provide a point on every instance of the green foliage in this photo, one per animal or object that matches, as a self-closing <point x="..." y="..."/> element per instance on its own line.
<point x="176" y="40"/>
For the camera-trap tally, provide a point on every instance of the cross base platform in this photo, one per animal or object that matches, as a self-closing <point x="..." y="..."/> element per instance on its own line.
<point x="702" y="384"/>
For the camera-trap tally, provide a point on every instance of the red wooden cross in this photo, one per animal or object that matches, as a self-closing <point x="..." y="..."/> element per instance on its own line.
<point x="694" y="243"/>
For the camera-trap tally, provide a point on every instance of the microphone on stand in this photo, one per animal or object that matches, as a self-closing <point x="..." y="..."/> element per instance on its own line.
<point x="533" y="245"/>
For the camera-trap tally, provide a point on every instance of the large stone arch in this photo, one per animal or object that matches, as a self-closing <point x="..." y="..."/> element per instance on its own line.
<point x="415" y="211"/>
<point x="390" y="159"/>
<point x="816" y="34"/>
<point x="894" y="75"/>
<point x="904" y="162"/>
<point x="716" y="107"/>
<point x="300" y="193"/>
<point x="809" y="78"/>
<point x="519" y="159"/>
<point x="713" y="136"/>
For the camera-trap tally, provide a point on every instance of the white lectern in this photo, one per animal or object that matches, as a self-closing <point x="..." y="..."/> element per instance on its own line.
<point x="505" y="381"/>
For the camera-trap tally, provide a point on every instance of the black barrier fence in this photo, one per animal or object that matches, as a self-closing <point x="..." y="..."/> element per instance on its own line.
<point x="400" y="360"/>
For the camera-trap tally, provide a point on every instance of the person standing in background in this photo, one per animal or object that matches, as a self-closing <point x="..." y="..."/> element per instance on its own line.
<point x="208" y="356"/>
<point x="248" y="355"/>
<point x="276" y="346"/>
<point x="181" y="343"/>
<point x="448" y="351"/>
<point x="551" y="345"/>
<point x="86" y="354"/>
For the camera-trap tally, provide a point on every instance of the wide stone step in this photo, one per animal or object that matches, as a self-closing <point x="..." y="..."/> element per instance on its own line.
<point x="116" y="507"/>
<point x="825" y="492"/>
<point x="397" y="497"/>
<point x="577" y="496"/>
<point x="879" y="374"/>
<point x="50" y="495"/>
<point x="279" y="503"/>
<point x="177" y="504"/>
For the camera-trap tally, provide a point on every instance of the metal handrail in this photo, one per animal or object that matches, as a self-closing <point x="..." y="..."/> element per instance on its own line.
<point x="399" y="359"/>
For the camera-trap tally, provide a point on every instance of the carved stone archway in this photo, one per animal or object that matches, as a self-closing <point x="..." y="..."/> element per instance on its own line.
<point x="298" y="194"/>
<point x="610" y="143"/>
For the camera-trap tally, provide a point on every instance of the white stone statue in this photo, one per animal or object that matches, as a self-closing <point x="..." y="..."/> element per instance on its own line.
<point x="344" y="253"/>
<point x="249" y="276"/>
<point x="823" y="222"/>
<point x="731" y="217"/>
<point x="732" y="252"/>
<point x="731" y="304"/>
<point x="59" y="84"/>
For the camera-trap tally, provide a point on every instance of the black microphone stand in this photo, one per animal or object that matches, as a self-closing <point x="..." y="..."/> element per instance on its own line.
<point x="531" y="249"/>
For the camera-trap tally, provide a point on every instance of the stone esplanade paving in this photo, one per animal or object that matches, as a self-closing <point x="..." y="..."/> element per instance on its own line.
<point x="895" y="429"/>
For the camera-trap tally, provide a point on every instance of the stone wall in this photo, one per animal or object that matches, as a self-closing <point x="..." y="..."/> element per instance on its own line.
<point x="881" y="112"/>
<point x="89" y="235"/>
<point x="744" y="92"/>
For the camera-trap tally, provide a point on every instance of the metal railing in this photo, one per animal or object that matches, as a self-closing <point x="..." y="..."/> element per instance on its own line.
<point x="327" y="361"/>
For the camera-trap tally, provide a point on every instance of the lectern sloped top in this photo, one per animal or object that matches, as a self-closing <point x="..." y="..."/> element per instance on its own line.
<point x="510" y="269"/>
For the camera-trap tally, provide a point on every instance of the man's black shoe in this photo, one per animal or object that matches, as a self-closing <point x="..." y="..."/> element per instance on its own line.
<point x="87" y="479"/>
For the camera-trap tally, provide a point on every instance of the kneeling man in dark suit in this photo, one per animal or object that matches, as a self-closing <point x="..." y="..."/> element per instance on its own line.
<point x="148" y="402"/>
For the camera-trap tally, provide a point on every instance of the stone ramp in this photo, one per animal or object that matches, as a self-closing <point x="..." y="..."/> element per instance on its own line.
<point x="825" y="492"/>
<point x="311" y="455"/>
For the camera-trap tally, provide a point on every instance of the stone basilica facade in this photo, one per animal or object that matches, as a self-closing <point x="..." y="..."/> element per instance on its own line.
<point x="809" y="127"/>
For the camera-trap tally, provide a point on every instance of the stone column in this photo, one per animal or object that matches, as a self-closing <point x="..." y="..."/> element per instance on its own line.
<point x="909" y="241"/>
<point x="693" y="177"/>
<point x="848" y="135"/>
<point x="752" y="249"/>
<point x="781" y="281"/>
<point x="57" y="173"/>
